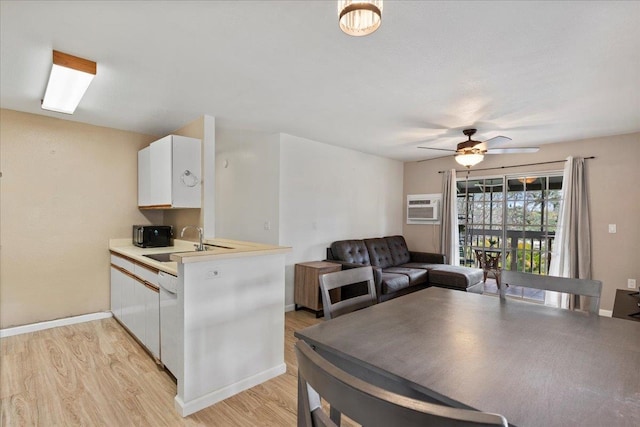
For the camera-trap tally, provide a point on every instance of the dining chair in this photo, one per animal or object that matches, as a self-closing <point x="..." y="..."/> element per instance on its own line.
<point x="583" y="287"/>
<point x="340" y="279"/>
<point x="367" y="404"/>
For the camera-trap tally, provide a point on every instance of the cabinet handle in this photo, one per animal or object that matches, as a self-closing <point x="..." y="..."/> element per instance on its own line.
<point x="137" y="279"/>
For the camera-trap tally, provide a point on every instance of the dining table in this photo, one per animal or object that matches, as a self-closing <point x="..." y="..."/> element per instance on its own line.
<point x="535" y="365"/>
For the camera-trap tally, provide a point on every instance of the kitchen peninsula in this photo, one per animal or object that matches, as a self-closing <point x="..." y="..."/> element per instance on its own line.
<point x="227" y="315"/>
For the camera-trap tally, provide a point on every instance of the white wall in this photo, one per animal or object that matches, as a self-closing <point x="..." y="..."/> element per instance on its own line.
<point x="247" y="186"/>
<point x="329" y="193"/>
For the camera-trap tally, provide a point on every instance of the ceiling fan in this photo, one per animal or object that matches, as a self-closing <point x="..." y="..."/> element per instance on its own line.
<point x="470" y="153"/>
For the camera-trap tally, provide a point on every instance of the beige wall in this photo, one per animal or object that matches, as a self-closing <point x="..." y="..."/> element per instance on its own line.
<point x="613" y="178"/>
<point x="66" y="189"/>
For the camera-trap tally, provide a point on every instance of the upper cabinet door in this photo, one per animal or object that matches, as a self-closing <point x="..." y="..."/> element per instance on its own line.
<point x="161" y="172"/>
<point x="144" y="177"/>
<point x="173" y="174"/>
<point x="186" y="184"/>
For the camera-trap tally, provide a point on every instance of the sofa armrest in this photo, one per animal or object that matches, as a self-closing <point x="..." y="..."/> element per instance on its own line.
<point x="345" y="265"/>
<point x="427" y="257"/>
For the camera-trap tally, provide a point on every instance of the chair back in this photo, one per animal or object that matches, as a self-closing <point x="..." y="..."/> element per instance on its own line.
<point x="339" y="279"/>
<point x="583" y="287"/>
<point x="367" y="404"/>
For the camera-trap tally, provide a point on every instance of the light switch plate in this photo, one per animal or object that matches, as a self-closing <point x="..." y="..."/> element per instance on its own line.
<point x="631" y="283"/>
<point x="612" y="228"/>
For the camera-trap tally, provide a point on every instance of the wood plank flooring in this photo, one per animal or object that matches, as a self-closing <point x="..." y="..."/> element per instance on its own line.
<point x="96" y="374"/>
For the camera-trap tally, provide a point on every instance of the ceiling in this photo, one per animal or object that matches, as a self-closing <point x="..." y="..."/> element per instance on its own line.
<point x="538" y="72"/>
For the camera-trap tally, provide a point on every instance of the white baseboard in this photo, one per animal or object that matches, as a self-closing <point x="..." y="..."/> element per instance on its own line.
<point x="605" y="313"/>
<point x="290" y="307"/>
<point x="40" y="326"/>
<point x="195" y="405"/>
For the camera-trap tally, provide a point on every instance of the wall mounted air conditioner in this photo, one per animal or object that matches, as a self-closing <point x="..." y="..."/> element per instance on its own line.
<point x="423" y="208"/>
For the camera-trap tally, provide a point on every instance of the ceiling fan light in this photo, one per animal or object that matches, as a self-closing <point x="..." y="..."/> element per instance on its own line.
<point x="527" y="180"/>
<point x="359" y="18"/>
<point x="469" y="159"/>
<point x="69" y="79"/>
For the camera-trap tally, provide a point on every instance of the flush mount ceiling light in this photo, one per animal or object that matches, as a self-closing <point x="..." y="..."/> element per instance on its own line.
<point x="359" y="18"/>
<point x="470" y="157"/>
<point x="70" y="77"/>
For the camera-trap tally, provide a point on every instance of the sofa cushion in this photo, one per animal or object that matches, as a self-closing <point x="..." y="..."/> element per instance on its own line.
<point x="379" y="253"/>
<point x="392" y="282"/>
<point x="454" y="276"/>
<point x="423" y="265"/>
<point x="353" y="251"/>
<point x="398" y="248"/>
<point x="416" y="275"/>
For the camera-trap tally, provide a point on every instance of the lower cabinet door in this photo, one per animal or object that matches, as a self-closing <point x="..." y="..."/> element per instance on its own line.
<point x="138" y="308"/>
<point x="129" y="319"/>
<point x="152" y="320"/>
<point x="137" y="305"/>
<point x="117" y="279"/>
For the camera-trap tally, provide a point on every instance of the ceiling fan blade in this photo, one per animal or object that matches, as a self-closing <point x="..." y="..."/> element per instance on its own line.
<point x="514" y="150"/>
<point x="439" y="149"/>
<point x="433" y="158"/>
<point x="496" y="140"/>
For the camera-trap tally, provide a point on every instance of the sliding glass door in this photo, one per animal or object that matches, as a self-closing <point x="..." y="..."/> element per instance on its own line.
<point x="513" y="215"/>
<point x="533" y="205"/>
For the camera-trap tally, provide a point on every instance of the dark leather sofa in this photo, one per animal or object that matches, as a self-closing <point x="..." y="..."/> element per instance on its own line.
<point x="399" y="271"/>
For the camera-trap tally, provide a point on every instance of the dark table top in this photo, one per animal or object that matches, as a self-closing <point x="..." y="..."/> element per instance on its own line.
<point x="536" y="365"/>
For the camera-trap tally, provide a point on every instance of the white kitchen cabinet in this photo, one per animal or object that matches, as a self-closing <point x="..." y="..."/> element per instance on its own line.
<point x="135" y="301"/>
<point x="151" y="298"/>
<point x="130" y="317"/>
<point x="144" y="177"/>
<point x="148" y="294"/>
<point x="117" y="279"/>
<point x="172" y="176"/>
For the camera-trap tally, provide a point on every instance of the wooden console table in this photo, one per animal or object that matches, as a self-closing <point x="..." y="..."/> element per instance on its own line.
<point x="307" y="285"/>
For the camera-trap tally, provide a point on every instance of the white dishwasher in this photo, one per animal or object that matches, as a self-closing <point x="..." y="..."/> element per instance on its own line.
<point x="169" y="321"/>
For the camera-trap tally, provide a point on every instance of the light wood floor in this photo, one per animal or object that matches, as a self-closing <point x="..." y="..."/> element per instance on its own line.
<point x="95" y="374"/>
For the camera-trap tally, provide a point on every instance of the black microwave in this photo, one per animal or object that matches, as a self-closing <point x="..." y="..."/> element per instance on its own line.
<point x="152" y="236"/>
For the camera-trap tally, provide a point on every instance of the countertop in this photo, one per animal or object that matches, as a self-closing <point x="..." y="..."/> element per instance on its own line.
<point x="183" y="251"/>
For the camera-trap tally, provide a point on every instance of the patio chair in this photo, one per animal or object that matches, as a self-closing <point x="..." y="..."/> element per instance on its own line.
<point x="489" y="261"/>
<point x="367" y="404"/>
<point x="583" y="287"/>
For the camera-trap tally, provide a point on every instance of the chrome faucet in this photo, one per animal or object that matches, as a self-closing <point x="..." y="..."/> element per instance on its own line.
<point x="199" y="247"/>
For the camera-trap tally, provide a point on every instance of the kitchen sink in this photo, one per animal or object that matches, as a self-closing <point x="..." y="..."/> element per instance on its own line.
<point x="166" y="256"/>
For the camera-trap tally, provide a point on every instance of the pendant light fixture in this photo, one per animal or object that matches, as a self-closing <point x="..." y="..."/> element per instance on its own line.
<point x="359" y="18"/>
<point x="70" y="77"/>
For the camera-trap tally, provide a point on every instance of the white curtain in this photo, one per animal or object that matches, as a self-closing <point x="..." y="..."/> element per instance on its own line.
<point x="571" y="255"/>
<point x="449" y="241"/>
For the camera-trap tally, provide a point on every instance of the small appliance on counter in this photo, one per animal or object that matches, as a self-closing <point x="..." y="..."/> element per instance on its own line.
<point x="152" y="236"/>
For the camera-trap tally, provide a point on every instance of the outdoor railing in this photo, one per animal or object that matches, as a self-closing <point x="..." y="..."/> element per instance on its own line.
<point x="527" y="251"/>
